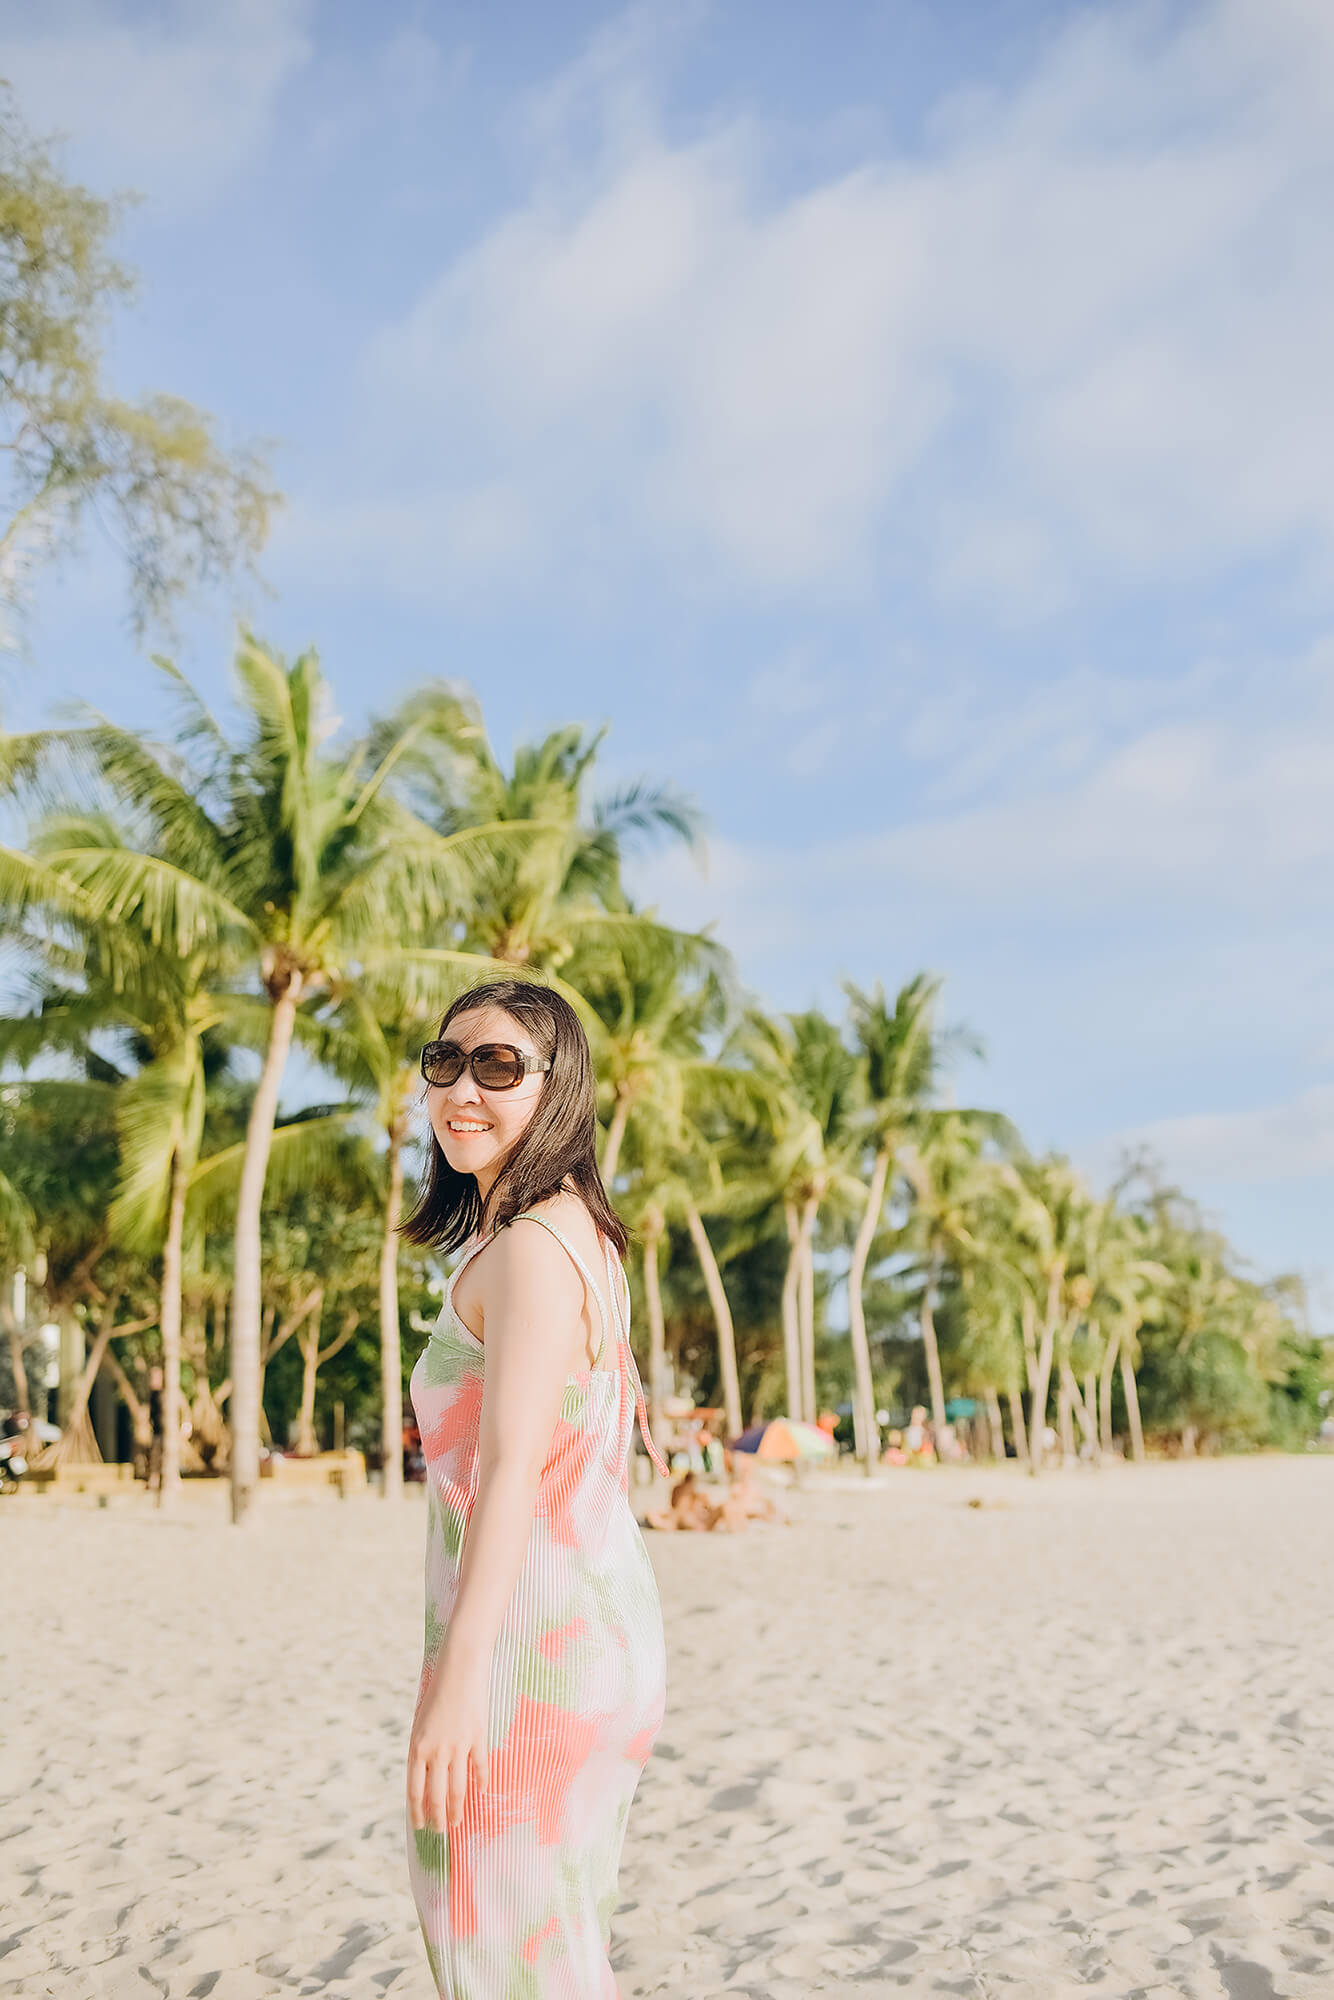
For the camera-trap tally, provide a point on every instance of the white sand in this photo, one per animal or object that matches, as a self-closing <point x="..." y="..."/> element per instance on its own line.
<point x="1081" y="1737"/>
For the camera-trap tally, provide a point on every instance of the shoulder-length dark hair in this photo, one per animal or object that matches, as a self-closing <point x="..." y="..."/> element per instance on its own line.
<point x="558" y="1144"/>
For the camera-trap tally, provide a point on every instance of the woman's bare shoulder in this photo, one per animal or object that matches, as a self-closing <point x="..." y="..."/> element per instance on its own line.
<point x="523" y="1253"/>
<point x="569" y="1213"/>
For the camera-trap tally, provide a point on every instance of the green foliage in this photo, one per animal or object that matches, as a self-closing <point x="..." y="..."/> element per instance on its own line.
<point x="191" y="882"/>
<point x="182" y="509"/>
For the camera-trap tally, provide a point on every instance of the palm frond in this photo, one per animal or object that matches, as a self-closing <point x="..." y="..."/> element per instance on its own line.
<point x="173" y="907"/>
<point x="297" y="1157"/>
<point x="197" y="728"/>
<point x="29" y="882"/>
<point x="159" y="1113"/>
<point x="473" y="965"/>
<point x="165" y="799"/>
<point x="650" y="810"/>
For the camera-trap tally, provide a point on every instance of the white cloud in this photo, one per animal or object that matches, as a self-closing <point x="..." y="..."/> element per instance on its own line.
<point x="1196" y="822"/>
<point x="1274" y="1142"/>
<point x="1081" y="337"/>
<point x="172" y="108"/>
<point x="1050" y="732"/>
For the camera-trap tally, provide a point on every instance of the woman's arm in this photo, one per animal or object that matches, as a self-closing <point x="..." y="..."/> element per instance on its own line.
<point x="532" y="1302"/>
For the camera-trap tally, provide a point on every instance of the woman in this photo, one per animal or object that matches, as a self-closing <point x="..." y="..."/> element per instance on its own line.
<point x="544" y="1676"/>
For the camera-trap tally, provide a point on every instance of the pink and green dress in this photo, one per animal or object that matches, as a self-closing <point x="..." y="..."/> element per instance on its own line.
<point x="516" y="1901"/>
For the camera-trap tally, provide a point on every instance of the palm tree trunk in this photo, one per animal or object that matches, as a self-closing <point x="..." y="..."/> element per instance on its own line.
<point x="245" y="1398"/>
<point x="1064" y="1420"/>
<point x="863" y="1404"/>
<point x="611" y="1152"/>
<point x="306" y="1445"/>
<point x="1132" y="1407"/>
<point x="170" y="1322"/>
<point x="194" y="1313"/>
<point x="1105" y="1393"/>
<point x="994" y="1425"/>
<point x="722" y="1314"/>
<point x="1041" y="1382"/>
<point x="1090" y="1417"/>
<point x="1028" y="1316"/>
<point x="657" y="1335"/>
<point x="1017" y="1425"/>
<point x="72" y="1351"/>
<point x="391" y="1353"/>
<point x="932" y="1346"/>
<point x="1078" y="1407"/>
<point x="806" y="1302"/>
<point x="78" y="1443"/>
<point x="792" y="1311"/>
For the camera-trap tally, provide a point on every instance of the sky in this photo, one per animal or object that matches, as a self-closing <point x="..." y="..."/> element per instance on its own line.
<point x="906" y="425"/>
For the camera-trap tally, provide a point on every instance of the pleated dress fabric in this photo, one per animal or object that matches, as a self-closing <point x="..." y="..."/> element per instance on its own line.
<point x="516" y="1901"/>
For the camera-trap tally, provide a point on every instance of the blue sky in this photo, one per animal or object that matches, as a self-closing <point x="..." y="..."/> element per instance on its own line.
<point x="912" y="435"/>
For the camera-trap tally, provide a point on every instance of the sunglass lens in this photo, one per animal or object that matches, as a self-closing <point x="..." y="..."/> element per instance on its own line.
<point x="442" y="1062"/>
<point x="496" y="1069"/>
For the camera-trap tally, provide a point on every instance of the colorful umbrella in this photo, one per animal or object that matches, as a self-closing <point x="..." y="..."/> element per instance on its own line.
<point x="785" y="1438"/>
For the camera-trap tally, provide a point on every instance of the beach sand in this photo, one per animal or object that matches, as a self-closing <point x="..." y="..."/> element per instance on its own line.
<point x="1079" y="1736"/>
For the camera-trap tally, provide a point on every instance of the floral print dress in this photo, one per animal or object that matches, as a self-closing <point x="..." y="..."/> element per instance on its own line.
<point x="516" y="1901"/>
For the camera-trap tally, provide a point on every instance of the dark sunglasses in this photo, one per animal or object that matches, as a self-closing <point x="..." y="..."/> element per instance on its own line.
<point x="494" y="1065"/>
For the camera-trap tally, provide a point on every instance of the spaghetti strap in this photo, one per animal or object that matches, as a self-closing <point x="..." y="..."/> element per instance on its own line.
<point x="620" y="1308"/>
<point x="531" y="1215"/>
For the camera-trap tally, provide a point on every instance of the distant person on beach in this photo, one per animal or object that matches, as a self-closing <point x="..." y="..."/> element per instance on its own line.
<point x="544" y="1678"/>
<point x="918" y="1443"/>
<point x="689" y="1508"/>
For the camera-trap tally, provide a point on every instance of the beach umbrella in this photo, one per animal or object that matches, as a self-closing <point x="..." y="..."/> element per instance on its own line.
<point x="785" y="1438"/>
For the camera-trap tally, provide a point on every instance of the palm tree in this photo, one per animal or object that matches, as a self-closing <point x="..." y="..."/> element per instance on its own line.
<point x="808" y="1090"/>
<point x="61" y="1161"/>
<point x="388" y="1040"/>
<point x="954" y="1183"/>
<point x="561" y="892"/>
<point x="323" y="1244"/>
<point x="172" y="1017"/>
<point x="657" y="998"/>
<point x="678" y="1144"/>
<point x="722" y="1313"/>
<point x="825" y="1080"/>
<point x="1051" y="1217"/>
<point x="992" y="1352"/>
<point x="274" y="849"/>
<point x="373" y="1041"/>
<point x="549" y="901"/>
<point x="903" y="1053"/>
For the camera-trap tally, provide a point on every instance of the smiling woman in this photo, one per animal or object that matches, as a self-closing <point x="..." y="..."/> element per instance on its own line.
<point x="544" y="1677"/>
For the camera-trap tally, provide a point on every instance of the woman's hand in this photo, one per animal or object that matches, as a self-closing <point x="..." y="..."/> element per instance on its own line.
<point x="448" y="1738"/>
